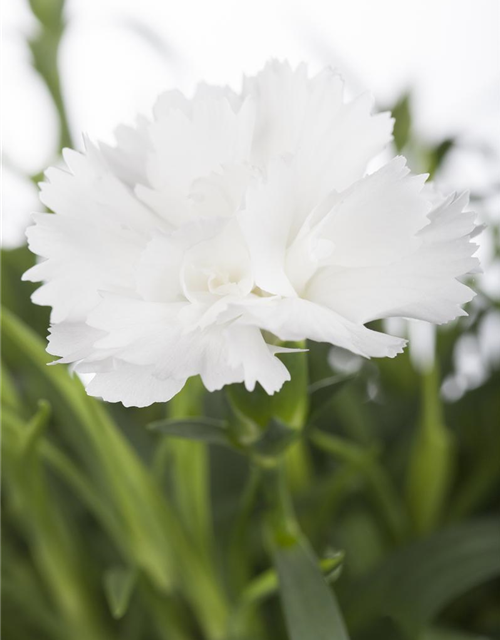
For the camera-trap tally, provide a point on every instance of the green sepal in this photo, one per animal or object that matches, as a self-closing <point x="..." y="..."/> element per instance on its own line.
<point x="275" y="439"/>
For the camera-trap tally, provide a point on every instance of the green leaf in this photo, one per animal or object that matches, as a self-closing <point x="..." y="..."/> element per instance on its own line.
<point x="416" y="583"/>
<point x="385" y="629"/>
<point x="53" y="542"/>
<point x="438" y="154"/>
<point x="9" y="395"/>
<point x="90" y="431"/>
<point x="266" y="584"/>
<point x="150" y="531"/>
<point x="36" y="427"/>
<point x="44" y="46"/>
<point x="22" y="598"/>
<point x="16" y="293"/>
<point x="402" y="124"/>
<point x="119" y="583"/>
<point x="309" y="605"/>
<point x="49" y="13"/>
<point x="322" y="393"/>
<point x="202" y="429"/>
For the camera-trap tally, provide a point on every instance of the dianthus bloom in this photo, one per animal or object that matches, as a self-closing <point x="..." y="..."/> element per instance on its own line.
<point x="231" y="219"/>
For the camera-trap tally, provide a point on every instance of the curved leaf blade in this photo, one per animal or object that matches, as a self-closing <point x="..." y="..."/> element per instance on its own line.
<point x="309" y="604"/>
<point x="416" y="583"/>
<point x="202" y="429"/>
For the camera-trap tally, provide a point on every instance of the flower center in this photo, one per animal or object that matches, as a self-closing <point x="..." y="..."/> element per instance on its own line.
<point x="201" y="282"/>
<point x="216" y="268"/>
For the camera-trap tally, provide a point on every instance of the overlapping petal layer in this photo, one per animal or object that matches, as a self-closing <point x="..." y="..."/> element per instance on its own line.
<point x="229" y="215"/>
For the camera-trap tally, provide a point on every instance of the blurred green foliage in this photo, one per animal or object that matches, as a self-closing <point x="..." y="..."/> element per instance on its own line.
<point x="115" y="530"/>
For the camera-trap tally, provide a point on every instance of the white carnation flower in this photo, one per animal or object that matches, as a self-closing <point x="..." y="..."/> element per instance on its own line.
<point x="232" y="214"/>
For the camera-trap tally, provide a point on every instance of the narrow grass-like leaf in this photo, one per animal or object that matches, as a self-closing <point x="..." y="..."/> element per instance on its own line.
<point x="53" y="542"/>
<point x="309" y="604"/>
<point x="266" y="585"/>
<point x="8" y="392"/>
<point x="150" y="530"/>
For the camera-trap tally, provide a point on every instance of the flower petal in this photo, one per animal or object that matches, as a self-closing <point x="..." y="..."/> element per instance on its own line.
<point x="72" y="341"/>
<point x="422" y="284"/>
<point x="128" y="157"/>
<point x="376" y="220"/>
<point x="187" y="147"/>
<point x="82" y="258"/>
<point x="133" y="386"/>
<point x="268" y="221"/>
<point x="153" y="335"/>
<point x="306" y="116"/>
<point x="297" y="319"/>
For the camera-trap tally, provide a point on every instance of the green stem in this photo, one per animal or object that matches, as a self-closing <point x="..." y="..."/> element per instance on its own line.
<point x="281" y="520"/>
<point x="323" y="501"/>
<point x="244" y="619"/>
<point x="45" y="49"/>
<point x="309" y="605"/>
<point x="238" y="544"/>
<point x="378" y="481"/>
<point x="432" y="460"/>
<point x="190" y="470"/>
<point x="190" y="475"/>
<point x="298" y="466"/>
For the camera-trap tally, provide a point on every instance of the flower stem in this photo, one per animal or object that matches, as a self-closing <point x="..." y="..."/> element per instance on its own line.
<point x="432" y="460"/>
<point x="379" y="482"/>
<point x="238" y="561"/>
<point x="280" y="519"/>
<point x="309" y="605"/>
<point x="190" y="470"/>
